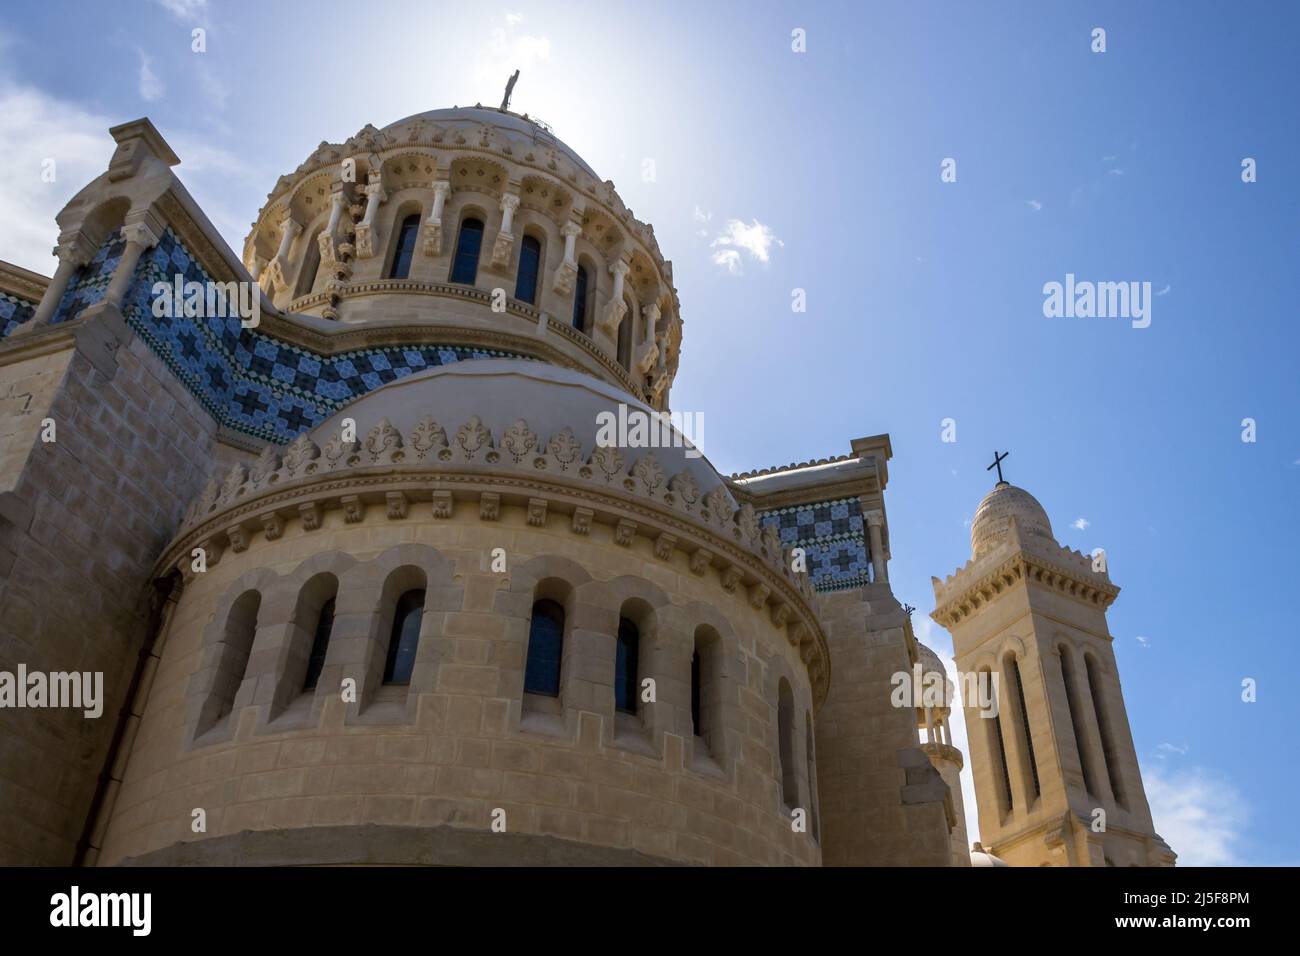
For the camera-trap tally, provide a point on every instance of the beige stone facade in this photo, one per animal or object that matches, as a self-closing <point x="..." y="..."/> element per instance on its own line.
<point x="370" y="582"/>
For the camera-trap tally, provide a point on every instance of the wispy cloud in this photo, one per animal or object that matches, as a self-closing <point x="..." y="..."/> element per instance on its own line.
<point x="754" y="239"/>
<point x="184" y="9"/>
<point x="1164" y="291"/>
<point x="1081" y="524"/>
<point x="701" y="218"/>
<point x="1199" y="814"/>
<point x="1144" y="641"/>
<point x="1034" y="204"/>
<point x="1168" y="748"/>
<point x="151" y="88"/>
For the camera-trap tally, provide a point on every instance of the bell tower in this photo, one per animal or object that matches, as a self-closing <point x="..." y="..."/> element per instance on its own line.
<point x="1057" y="780"/>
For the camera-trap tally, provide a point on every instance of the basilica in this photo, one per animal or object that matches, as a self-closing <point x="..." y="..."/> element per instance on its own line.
<point x="370" y="578"/>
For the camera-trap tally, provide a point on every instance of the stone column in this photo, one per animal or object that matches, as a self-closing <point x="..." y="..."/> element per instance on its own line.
<point x="276" y="271"/>
<point x="648" y="351"/>
<point x="567" y="270"/>
<point x="366" y="228"/>
<point x="505" y="238"/>
<point x="139" y="237"/>
<point x="74" y="251"/>
<point x="433" y="224"/>
<point x="616" y="309"/>
<point x="875" y="524"/>
<point x="326" y="240"/>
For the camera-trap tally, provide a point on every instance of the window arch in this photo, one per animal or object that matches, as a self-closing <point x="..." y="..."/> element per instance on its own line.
<point x="404" y="638"/>
<point x="319" y="644"/>
<point x="580" y="284"/>
<point x="998" y="750"/>
<point x="530" y="263"/>
<point x="1110" y="754"/>
<point x="310" y="267"/>
<point x="1072" y="704"/>
<point x="785" y="743"/>
<point x="626" y="661"/>
<point x="464" y="266"/>
<point x="236" y="648"/>
<point x="545" y="649"/>
<point x="1023" y="714"/>
<point x="404" y="249"/>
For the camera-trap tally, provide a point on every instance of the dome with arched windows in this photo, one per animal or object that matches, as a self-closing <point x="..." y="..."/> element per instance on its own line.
<point x="473" y="227"/>
<point x="995" y="512"/>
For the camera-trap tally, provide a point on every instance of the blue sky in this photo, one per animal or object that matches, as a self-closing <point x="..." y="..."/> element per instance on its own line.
<point x="924" y="298"/>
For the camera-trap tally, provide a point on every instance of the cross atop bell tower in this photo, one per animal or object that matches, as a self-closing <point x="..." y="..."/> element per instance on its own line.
<point x="997" y="463"/>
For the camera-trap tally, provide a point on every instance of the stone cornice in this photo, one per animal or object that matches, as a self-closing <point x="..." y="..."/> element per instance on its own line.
<point x="22" y="283"/>
<point x="965" y="594"/>
<point x="385" y="477"/>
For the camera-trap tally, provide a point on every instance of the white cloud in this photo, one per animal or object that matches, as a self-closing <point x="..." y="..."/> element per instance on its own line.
<point x="1200" y="815"/>
<point x="1081" y="524"/>
<point x="1168" y="748"/>
<point x="1115" y="172"/>
<point x="514" y="19"/>
<point x="507" y="51"/>
<point x="1034" y="204"/>
<point x="754" y="239"/>
<point x="1144" y="641"/>
<point x="730" y="260"/>
<point x="151" y="87"/>
<point x="184" y="9"/>
<point x="34" y="128"/>
<point x="1164" y="291"/>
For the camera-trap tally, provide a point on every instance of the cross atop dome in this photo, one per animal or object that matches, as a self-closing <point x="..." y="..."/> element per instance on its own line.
<point x="997" y="463"/>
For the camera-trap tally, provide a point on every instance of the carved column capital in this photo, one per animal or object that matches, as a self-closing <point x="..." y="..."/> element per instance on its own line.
<point x="571" y="229"/>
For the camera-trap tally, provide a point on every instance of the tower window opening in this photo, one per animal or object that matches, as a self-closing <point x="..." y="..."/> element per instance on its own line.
<point x="404" y="638"/>
<point x="530" y="261"/>
<point x="1024" y="723"/>
<point x="405" y="248"/>
<point x="319" y="645"/>
<point x="580" y="300"/>
<point x="625" y="666"/>
<point x="545" y="649"/>
<point x="464" y="267"/>
<point x="1109" y="751"/>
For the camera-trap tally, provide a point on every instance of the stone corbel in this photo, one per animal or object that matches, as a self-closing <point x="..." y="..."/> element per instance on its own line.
<point x="432" y="244"/>
<point x="616" y="309"/>
<point x="505" y="240"/>
<point x="375" y="194"/>
<point x="567" y="270"/>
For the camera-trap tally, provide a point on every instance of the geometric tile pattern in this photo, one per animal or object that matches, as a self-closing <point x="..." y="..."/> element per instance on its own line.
<point x="831" y="534"/>
<point x="90" y="282"/>
<point x="14" y="312"/>
<point x="249" y="381"/>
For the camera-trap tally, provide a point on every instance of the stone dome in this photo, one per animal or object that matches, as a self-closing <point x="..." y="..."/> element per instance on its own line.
<point x="981" y="857"/>
<point x="994" y="514"/>
<point x="520" y="132"/>
<point x="500" y="392"/>
<point x="931" y="664"/>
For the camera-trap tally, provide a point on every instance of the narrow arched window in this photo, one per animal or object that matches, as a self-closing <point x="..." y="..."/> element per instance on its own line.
<point x="1109" y="751"/>
<point x="625" y="666"/>
<point x="319" y="645"/>
<point x="1024" y="725"/>
<point x="464" y="267"/>
<point x="404" y="638"/>
<point x="530" y="261"/>
<point x="580" y="300"/>
<point x="241" y="628"/>
<point x="997" y="746"/>
<point x="404" y="251"/>
<point x="1072" y="703"/>
<point x="785" y="743"/>
<point x="545" y="649"/>
<point x="310" y="267"/>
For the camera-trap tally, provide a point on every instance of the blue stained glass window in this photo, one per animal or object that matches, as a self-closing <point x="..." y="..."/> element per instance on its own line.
<point x="401" y="267"/>
<point x="464" y="269"/>
<point x="545" y="647"/>
<point x="625" y="664"/>
<point x="405" y="638"/>
<point x="530" y="261"/>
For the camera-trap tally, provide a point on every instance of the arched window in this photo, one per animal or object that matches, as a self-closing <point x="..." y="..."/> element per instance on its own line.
<point x="545" y="649"/>
<point x="625" y="336"/>
<point x="236" y="648"/>
<point x="405" y="248"/>
<point x="530" y="261"/>
<point x="625" y="666"/>
<point x="1108" y="749"/>
<point x="785" y="743"/>
<point x="1024" y="724"/>
<point x="464" y="268"/>
<point x="580" y="300"/>
<point x="997" y="747"/>
<point x="404" y="638"/>
<point x="310" y="267"/>
<point x="1076" y="724"/>
<point x="319" y="645"/>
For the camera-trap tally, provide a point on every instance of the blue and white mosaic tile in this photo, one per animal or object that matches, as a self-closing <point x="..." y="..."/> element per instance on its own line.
<point x="14" y="312"/>
<point x="832" y="536"/>
<point x="90" y="282"/>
